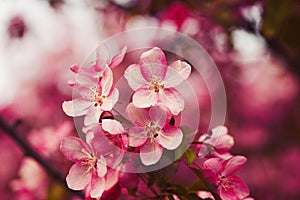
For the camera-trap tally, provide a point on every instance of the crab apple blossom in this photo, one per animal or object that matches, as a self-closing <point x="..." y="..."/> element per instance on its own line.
<point x="220" y="172"/>
<point x="152" y="132"/>
<point x="217" y="141"/>
<point x="110" y="140"/>
<point x="88" y="171"/>
<point x="103" y="60"/>
<point x="153" y="81"/>
<point x="96" y="97"/>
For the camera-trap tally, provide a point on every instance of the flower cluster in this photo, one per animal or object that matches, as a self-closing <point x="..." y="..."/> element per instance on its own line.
<point x="147" y="129"/>
<point x="220" y="165"/>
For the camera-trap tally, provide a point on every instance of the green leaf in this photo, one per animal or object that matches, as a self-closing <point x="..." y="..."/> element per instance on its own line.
<point x="190" y="156"/>
<point x="198" y="185"/>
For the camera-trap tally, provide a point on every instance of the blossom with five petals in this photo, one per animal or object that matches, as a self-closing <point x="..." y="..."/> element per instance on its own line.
<point x="96" y="97"/>
<point x="88" y="171"/>
<point x="221" y="172"/>
<point x="153" y="81"/>
<point x="152" y="132"/>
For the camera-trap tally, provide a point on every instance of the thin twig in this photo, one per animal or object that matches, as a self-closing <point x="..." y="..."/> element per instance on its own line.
<point x="29" y="151"/>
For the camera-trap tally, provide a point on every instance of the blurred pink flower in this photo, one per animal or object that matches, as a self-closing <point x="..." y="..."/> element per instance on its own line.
<point x="96" y="97"/>
<point x="153" y="81"/>
<point x="220" y="173"/>
<point x="88" y="171"/>
<point x="152" y="132"/>
<point x="217" y="141"/>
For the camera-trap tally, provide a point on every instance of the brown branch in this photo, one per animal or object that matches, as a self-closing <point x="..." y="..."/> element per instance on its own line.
<point x="29" y="151"/>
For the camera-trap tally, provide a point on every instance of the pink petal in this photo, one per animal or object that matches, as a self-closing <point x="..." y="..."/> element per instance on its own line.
<point x="212" y="168"/>
<point x="75" y="68"/>
<point x="220" y="139"/>
<point x="106" y="81"/>
<point x="111" y="178"/>
<point x="97" y="187"/>
<point x="153" y="62"/>
<point x="71" y="83"/>
<point x="92" y="116"/>
<point x="115" y="96"/>
<point x="134" y="77"/>
<point x="159" y="115"/>
<point x="118" y="58"/>
<point x="237" y="189"/>
<point x="102" y="145"/>
<point x="137" y="136"/>
<point x="103" y="57"/>
<point x="76" y="107"/>
<point x="233" y="164"/>
<point x="170" y="137"/>
<point x="150" y="152"/>
<point x="138" y="116"/>
<point x="86" y="80"/>
<point x="77" y="178"/>
<point x="112" y="126"/>
<point x="111" y="100"/>
<point x="224" y="143"/>
<point x="153" y="72"/>
<point x="101" y="167"/>
<point x="240" y="188"/>
<point x="177" y="73"/>
<point x="172" y="99"/>
<point x="144" y="98"/>
<point x="155" y="55"/>
<point x="74" y="148"/>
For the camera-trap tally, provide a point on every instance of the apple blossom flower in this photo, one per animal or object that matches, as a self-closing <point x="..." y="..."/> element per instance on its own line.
<point x="221" y="172"/>
<point x="102" y="61"/>
<point x="153" y="81"/>
<point x="152" y="132"/>
<point x="96" y="97"/>
<point x="109" y="138"/>
<point x="88" y="171"/>
<point x="217" y="141"/>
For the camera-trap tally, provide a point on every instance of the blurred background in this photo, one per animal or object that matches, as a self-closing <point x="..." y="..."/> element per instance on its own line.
<point x="255" y="45"/>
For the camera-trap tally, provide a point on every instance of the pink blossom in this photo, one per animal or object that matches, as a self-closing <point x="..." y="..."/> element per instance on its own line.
<point x="217" y="141"/>
<point x="153" y="81"/>
<point x="96" y="97"/>
<point x="152" y="132"/>
<point x="88" y="171"/>
<point x="102" y="61"/>
<point x="221" y="172"/>
<point x="109" y="138"/>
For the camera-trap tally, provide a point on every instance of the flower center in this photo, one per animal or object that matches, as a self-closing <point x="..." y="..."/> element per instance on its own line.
<point x="225" y="183"/>
<point x="90" y="161"/>
<point x="98" y="99"/>
<point x="156" y="86"/>
<point x="152" y="131"/>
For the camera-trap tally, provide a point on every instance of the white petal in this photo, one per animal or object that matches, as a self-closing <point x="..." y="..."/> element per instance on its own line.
<point x="112" y="126"/>
<point x="76" y="107"/>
